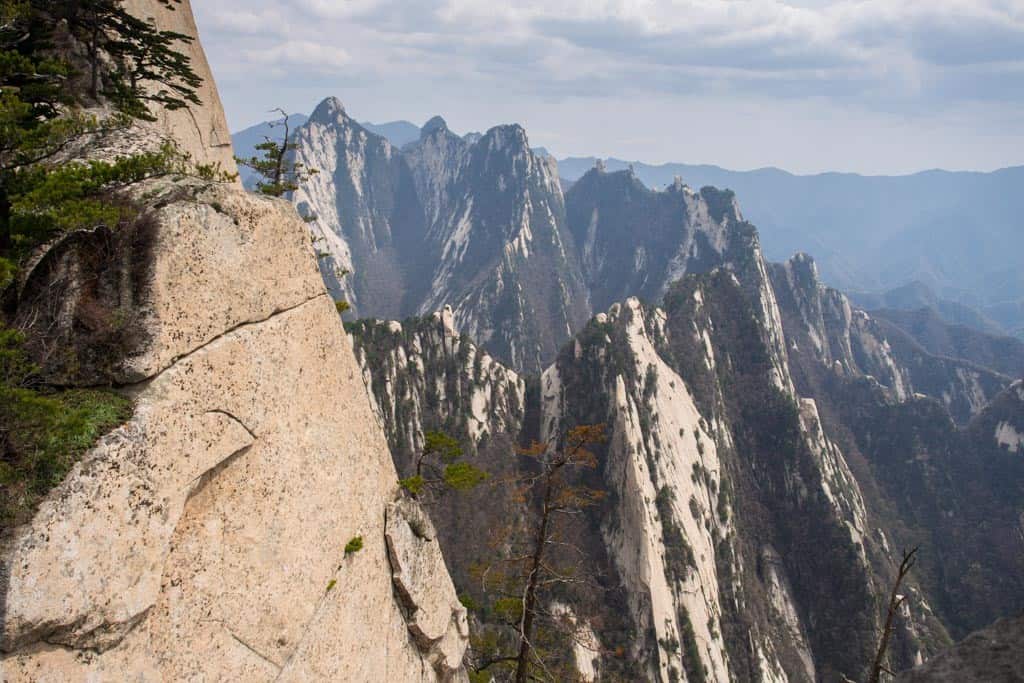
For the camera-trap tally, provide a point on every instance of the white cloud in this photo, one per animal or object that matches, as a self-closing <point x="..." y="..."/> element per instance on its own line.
<point x="300" y="53"/>
<point x="897" y="58"/>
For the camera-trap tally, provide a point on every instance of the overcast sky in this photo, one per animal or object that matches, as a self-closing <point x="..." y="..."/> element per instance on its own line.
<point x="875" y="86"/>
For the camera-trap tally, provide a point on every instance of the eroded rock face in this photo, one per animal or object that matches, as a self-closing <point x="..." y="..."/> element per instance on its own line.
<point x="477" y="223"/>
<point x="205" y="539"/>
<point x="206" y="536"/>
<point x="436" y="618"/>
<point x="422" y="372"/>
<point x="821" y="323"/>
<point x="201" y="131"/>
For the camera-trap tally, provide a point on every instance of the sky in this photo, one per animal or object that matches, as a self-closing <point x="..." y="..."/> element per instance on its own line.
<point x="867" y="86"/>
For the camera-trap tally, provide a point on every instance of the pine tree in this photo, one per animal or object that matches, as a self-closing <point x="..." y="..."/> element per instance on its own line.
<point x="150" y="70"/>
<point x="531" y="640"/>
<point x="40" y="116"/>
<point x="438" y="469"/>
<point x="274" y="163"/>
<point x="46" y="190"/>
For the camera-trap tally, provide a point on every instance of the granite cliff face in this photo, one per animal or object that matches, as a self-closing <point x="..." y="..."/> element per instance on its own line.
<point x="821" y="323"/>
<point x="755" y="420"/>
<point x="206" y="537"/>
<point x="477" y="224"/>
<point x="423" y="374"/>
<point x="202" y="131"/>
<point x="480" y="223"/>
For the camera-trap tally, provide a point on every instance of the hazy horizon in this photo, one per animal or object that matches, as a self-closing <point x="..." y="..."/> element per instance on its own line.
<point x="563" y="157"/>
<point x="877" y="88"/>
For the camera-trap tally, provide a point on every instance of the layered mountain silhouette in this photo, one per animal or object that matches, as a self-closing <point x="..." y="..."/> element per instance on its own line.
<point x="772" y="447"/>
<point x="942" y="239"/>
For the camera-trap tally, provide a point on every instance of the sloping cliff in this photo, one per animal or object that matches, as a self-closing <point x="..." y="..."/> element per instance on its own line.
<point x="202" y="131"/>
<point x="477" y="223"/>
<point x="752" y="522"/>
<point x="209" y="537"/>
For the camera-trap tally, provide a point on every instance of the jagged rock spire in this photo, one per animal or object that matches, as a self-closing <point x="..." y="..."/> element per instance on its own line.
<point x="328" y="111"/>
<point x="432" y="126"/>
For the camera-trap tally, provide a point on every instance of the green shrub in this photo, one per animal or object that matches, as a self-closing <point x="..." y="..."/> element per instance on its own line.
<point x="462" y="476"/>
<point x="43" y="432"/>
<point x="354" y="545"/>
<point x="468" y="602"/>
<point x="413" y="485"/>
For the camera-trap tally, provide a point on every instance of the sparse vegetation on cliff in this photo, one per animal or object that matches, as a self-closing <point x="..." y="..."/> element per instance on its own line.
<point x="50" y="191"/>
<point x="43" y="432"/>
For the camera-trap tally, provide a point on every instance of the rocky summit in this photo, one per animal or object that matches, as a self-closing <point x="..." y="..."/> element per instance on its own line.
<point x="771" y="448"/>
<point x="416" y="408"/>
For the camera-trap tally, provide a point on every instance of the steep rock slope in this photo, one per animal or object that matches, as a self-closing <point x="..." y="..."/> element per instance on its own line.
<point x="223" y="546"/>
<point x="721" y="486"/>
<point x="368" y="218"/>
<point x="821" y="323"/>
<point x="424" y="375"/>
<point x="638" y="242"/>
<point x="507" y="266"/>
<point x="206" y="537"/>
<point x="476" y="223"/>
<point x="724" y="484"/>
<point x="199" y="131"/>
<point x="480" y="223"/>
<point x="634" y="241"/>
<point x="922" y="434"/>
<point x="953" y="232"/>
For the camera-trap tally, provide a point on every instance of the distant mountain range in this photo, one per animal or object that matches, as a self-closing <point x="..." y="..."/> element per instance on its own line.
<point x="946" y="240"/>
<point x="770" y="446"/>
<point x="400" y="133"/>
<point x="959" y="234"/>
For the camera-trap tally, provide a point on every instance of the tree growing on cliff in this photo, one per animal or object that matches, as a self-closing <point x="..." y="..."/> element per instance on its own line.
<point x="274" y="163"/>
<point x="148" y="66"/>
<point x="533" y="636"/>
<point x="41" y="120"/>
<point x="49" y="188"/>
<point x="438" y="468"/>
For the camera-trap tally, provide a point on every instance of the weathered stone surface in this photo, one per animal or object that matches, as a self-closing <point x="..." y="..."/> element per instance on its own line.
<point x="436" y="618"/>
<point x="201" y="538"/>
<point x="204" y="539"/>
<point x="221" y="261"/>
<point x="201" y="130"/>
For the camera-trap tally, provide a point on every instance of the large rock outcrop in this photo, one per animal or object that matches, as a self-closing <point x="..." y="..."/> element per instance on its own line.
<point x="821" y="324"/>
<point x="424" y="375"/>
<point x="206" y="538"/>
<point x="201" y="131"/>
<point x="475" y="222"/>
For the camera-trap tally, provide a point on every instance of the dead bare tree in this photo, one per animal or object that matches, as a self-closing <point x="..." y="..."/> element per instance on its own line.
<point x="895" y="602"/>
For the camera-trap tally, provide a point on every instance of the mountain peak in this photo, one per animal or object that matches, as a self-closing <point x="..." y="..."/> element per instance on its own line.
<point x="803" y="268"/>
<point x="433" y="125"/>
<point x="329" y="111"/>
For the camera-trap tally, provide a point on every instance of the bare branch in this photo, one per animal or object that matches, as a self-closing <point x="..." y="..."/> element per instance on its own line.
<point x="895" y="601"/>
